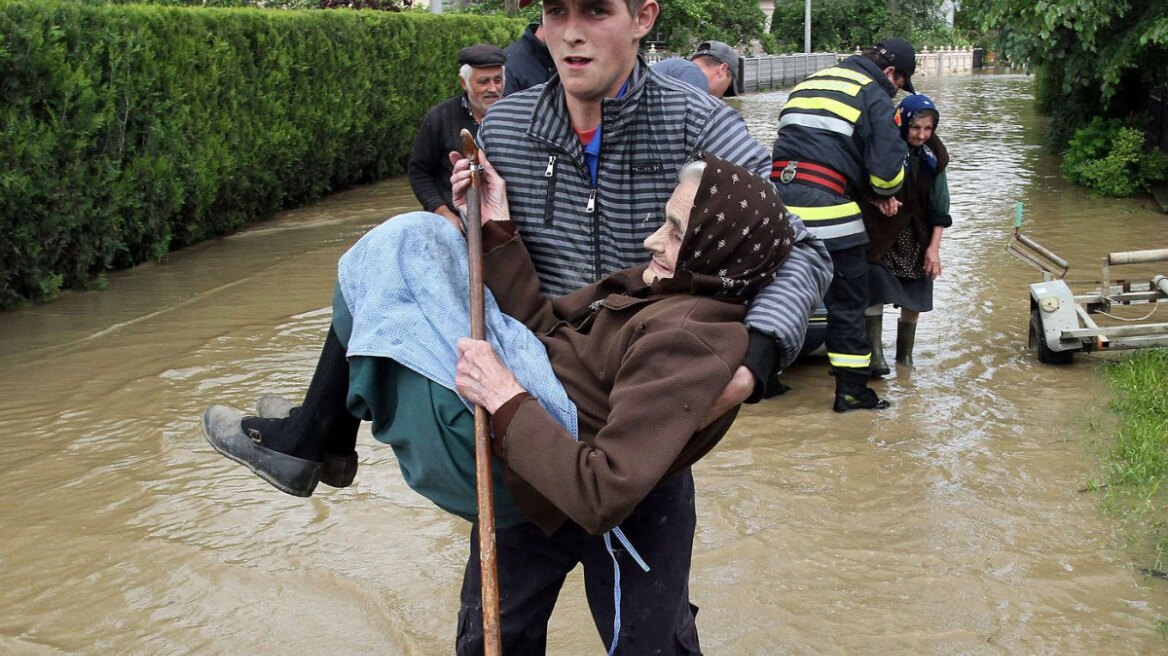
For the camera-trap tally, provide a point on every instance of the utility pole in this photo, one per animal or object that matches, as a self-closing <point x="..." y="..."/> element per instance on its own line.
<point x="511" y="7"/>
<point x="807" y="26"/>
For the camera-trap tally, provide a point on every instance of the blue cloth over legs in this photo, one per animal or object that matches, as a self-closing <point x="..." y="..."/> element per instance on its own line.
<point x="406" y="284"/>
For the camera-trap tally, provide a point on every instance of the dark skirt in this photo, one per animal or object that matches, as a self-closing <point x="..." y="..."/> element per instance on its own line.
<point x="885" y="288"/>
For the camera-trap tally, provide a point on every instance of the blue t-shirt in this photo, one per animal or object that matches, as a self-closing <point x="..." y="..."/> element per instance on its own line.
<point x="684" y="70"/>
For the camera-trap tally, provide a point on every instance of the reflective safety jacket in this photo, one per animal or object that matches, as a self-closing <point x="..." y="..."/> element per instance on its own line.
<point x="841" y="119"/>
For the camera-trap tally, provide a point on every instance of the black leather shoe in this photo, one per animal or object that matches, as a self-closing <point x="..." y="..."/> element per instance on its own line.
<point x="865" y="399"/>
<point x="339" y="468"/>
<point x="287" y="473"/>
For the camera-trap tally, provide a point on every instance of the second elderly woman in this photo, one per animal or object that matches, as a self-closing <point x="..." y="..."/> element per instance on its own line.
<point x="905" y="251"/>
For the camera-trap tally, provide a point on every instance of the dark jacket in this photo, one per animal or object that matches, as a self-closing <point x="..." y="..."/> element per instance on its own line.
<point x="642" y="369"/>
<point x="918" y="210"/>
<point x="528" y="63"/>
<point x="842" y="118"/>
<point x="429" y="169"/>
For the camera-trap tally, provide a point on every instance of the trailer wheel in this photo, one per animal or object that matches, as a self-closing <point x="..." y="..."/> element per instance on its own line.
<point x="1038" y="342"/>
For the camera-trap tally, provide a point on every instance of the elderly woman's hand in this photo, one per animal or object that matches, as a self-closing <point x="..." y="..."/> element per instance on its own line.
<point x="492" y="189"/>
<point x="482" y="377"/>
<point x="933" y="261"/>
<point x="888" y="206"/>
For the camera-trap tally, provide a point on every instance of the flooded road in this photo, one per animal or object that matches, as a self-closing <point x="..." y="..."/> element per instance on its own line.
<point x="948" y="524"/>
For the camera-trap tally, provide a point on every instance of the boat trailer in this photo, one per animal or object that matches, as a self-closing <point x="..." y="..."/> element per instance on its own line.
<point x="1068" y="317"/>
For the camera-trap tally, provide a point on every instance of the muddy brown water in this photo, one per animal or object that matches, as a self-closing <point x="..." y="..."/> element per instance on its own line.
<point x="948" y="524"/>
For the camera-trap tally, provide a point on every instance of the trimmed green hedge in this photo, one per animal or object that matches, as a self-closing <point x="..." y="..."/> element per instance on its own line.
<point x="127" y="131"/>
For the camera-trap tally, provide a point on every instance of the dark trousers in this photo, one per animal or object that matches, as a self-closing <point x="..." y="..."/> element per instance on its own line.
<point x="846" y="300"/>
<point x="656" y="616"/>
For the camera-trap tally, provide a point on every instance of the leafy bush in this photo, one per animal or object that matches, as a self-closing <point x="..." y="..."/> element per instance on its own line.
<point x="1107" y="156"/>
<point x="130" y="130"/>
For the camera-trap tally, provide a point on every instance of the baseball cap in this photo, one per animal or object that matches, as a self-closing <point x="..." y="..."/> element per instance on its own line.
<point x="903" y="58"/>
<point x="725" y="54"/>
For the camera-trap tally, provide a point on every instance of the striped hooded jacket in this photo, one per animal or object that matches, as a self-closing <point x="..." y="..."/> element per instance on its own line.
<point x="577" y="233"/>
<point x="842" y="118"/>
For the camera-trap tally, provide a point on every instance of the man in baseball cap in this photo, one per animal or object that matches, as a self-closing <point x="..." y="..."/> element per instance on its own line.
<point x="713" y="68"/>
<point x="901" y="56"/>
<point x="720" y="64"/>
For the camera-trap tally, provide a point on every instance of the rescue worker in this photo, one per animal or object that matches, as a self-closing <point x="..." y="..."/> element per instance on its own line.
<point x="481" y="77"/>
<point x="838" y="142"/>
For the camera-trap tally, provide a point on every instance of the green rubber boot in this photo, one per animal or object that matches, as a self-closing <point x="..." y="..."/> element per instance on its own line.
<point x="906" y="336"/>
<point x="874" y="326"/>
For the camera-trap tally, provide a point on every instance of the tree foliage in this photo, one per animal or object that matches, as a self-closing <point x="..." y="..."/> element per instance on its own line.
<point x="843" y="25"/>
<point x="381" y="5"/>
<point x="681" y="25"/>
<point x="685" y="23"/>
<point x="1096" y="56"/>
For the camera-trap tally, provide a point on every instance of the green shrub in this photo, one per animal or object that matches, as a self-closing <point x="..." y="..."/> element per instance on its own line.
<point x="130" y="130"/>
<point x="1107" y="156"/>
<point x="844" y="25"/>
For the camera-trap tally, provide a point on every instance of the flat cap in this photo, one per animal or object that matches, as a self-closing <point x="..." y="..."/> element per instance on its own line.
<point x="483" y="55"/>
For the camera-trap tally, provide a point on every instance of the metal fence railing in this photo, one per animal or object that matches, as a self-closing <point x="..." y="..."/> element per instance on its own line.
<point x="779" y="71"/>
<point x="776" y="71"/>
<point x="944" y="61"/>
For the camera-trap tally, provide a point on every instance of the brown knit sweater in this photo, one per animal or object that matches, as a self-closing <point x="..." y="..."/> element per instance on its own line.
<point x="642" y="369"/>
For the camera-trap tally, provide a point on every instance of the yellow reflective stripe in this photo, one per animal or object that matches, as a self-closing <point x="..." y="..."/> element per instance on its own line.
<point x="881" y="183"/>
<point x="849" y="361"/>
<point x="825" y="213"/>
<point x="840" y="109"/>
<point x="828" y="85"/>
<point x="836" y="71"/>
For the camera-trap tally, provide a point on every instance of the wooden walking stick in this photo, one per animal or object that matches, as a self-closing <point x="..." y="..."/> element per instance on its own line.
<point x="488" y="562"/>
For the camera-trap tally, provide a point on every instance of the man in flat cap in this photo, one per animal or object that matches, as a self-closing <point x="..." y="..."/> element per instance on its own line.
<point x="481" y="78"/>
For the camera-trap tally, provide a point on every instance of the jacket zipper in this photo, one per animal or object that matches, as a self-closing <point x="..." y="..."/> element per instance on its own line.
<point x="549" y="201"/>
<point x="595" y="307"/>
<point x="591" y="209"/>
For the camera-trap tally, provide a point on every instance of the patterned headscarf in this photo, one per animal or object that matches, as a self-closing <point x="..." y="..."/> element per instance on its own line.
<point x="738" y="233"/>
<point x="912" y="105"/>
<point x="919" y="105"/>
